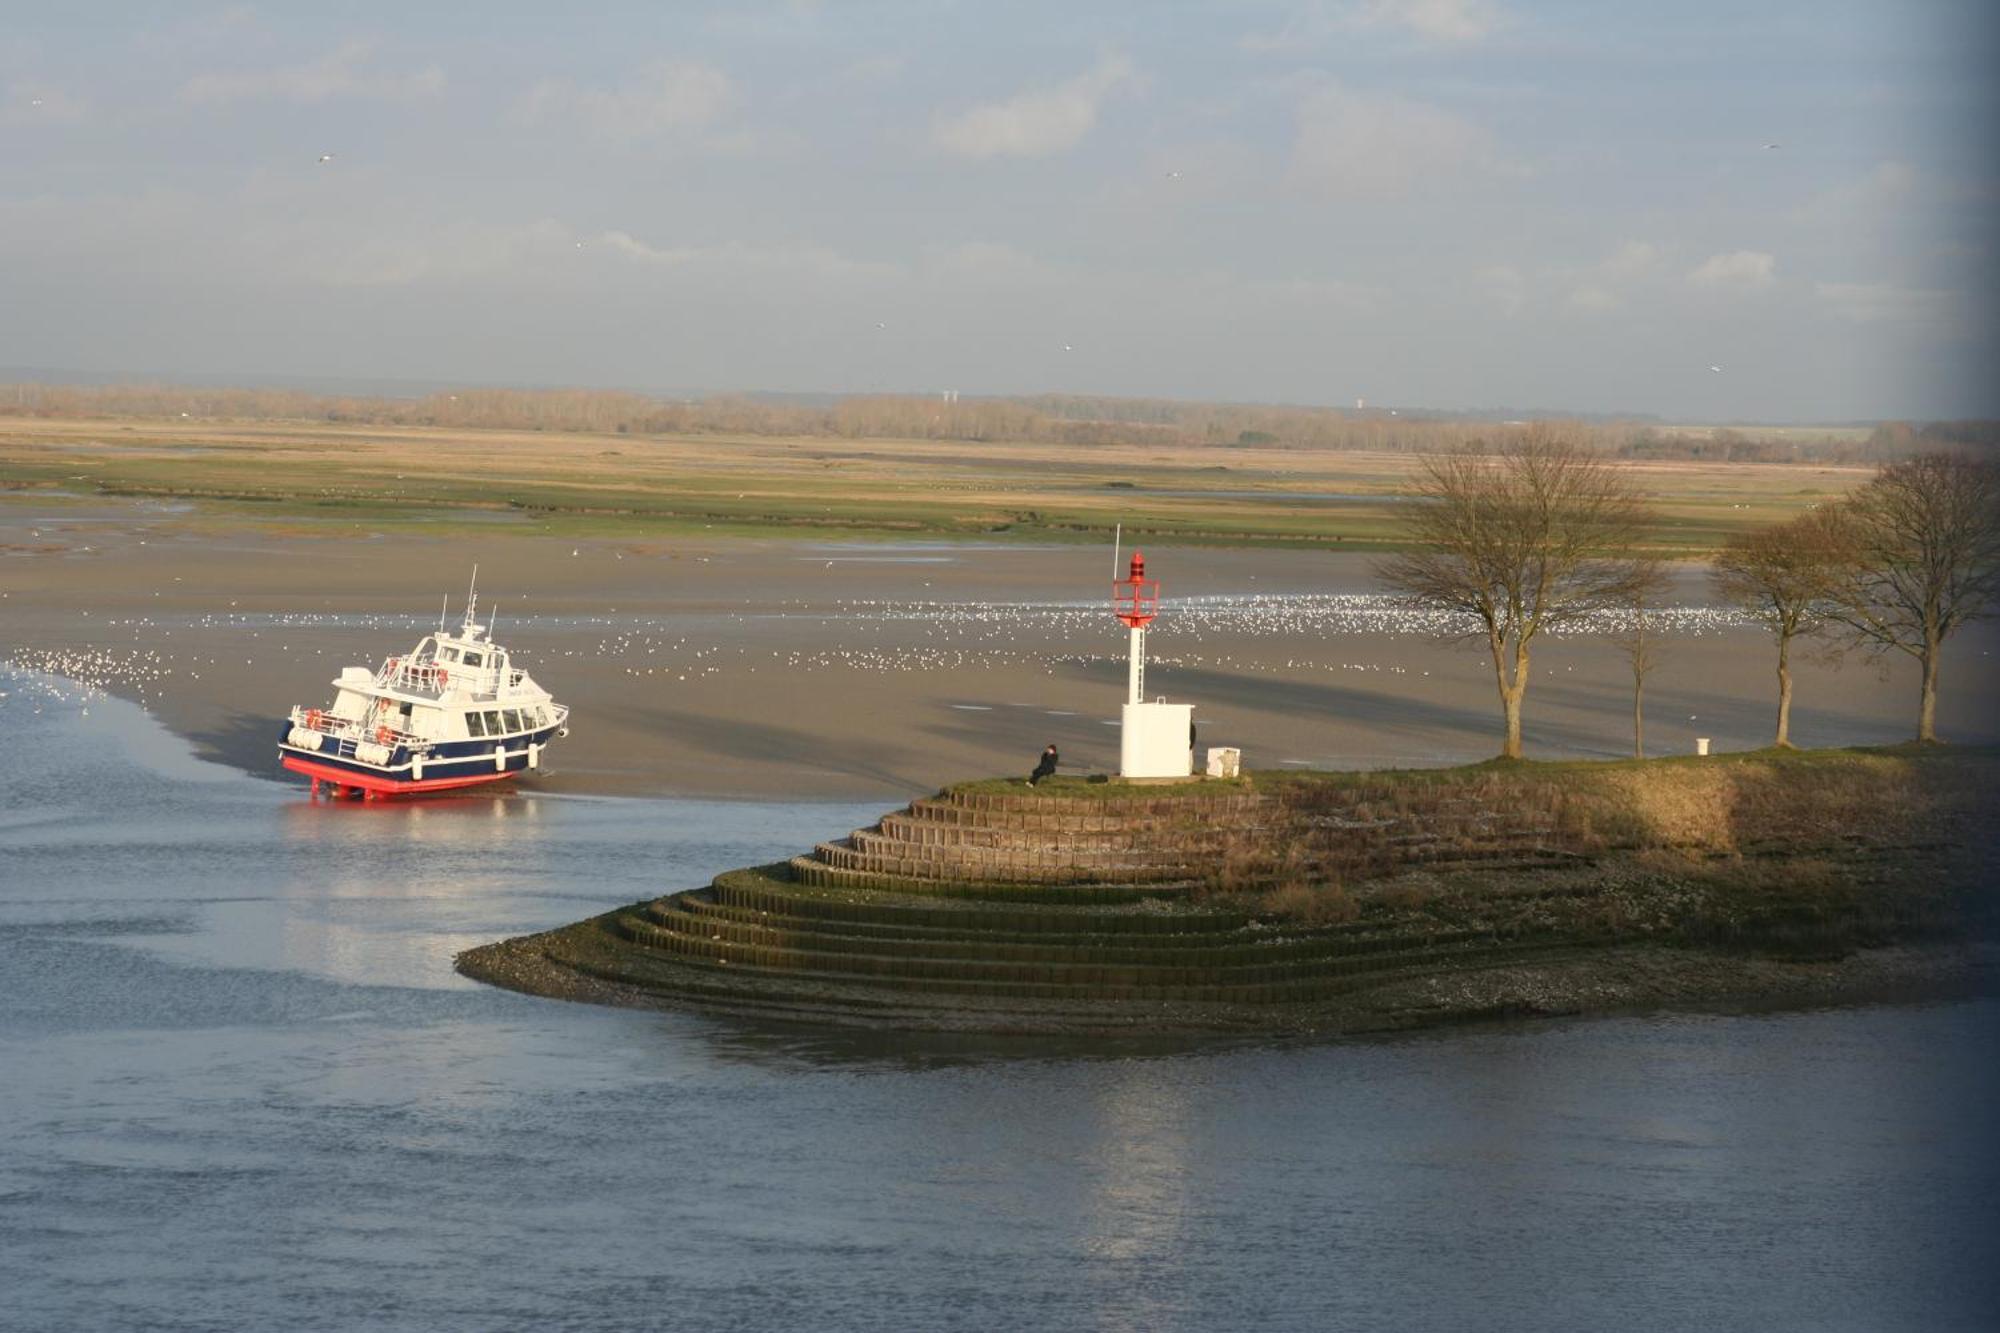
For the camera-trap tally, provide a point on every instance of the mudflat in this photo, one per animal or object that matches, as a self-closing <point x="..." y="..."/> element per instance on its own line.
<point x="739" y="666"/>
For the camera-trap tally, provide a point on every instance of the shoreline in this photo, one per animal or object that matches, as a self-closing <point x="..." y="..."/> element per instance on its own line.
<point x="1622" y="982"/>
<point x="1333" y="904"/>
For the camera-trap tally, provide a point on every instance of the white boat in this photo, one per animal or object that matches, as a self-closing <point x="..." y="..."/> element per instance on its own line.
<point x="452" y="712"/>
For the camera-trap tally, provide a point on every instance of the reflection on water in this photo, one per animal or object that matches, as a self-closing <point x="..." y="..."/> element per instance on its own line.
<point x="244" y="1090"/>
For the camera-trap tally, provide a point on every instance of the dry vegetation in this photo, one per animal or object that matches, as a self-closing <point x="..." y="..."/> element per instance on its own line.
<point x="297" y="474"/>
<point x="1807" y="849"/>
<point x="1049" y="419"/>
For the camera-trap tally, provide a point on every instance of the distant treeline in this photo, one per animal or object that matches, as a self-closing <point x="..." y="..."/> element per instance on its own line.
<point x="1059" y="419"/>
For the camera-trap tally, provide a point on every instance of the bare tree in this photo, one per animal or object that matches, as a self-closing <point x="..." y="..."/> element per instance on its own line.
<point x="1924" y="541"/>
<point x="1538" y="535"/>
<point x="1640" y="646"/>
<point x="1783" y="577"/>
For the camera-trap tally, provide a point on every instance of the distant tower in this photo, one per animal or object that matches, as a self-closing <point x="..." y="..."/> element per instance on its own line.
<point x="1155" y="740"/>
<point x="1360" y="404"/>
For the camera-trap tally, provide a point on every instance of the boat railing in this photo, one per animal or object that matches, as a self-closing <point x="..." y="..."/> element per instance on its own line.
<point x="347" y="732"/>
<point x="417" y="677"/>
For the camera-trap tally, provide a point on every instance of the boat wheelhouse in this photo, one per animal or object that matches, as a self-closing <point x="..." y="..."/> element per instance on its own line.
<point x="453" y="712"/>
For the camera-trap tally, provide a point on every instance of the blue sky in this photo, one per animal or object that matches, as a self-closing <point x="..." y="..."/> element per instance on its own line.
<point x="1433" y="203"/>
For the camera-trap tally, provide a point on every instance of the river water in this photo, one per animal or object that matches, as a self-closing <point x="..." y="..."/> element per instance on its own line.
<point x="240" y="1088"/>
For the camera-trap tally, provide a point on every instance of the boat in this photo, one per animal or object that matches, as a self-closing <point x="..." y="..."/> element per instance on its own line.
<point x="453" y="712"/>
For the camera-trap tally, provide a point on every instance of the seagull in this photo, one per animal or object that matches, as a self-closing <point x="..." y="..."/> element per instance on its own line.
<point x="1774" y="145"/>
<point x="1068" y="348"/>
<point x="325" y="158"/>
<point x="1173" y="175"/>
<point x="36" y="102"/>
<point x="1716" y="369"/>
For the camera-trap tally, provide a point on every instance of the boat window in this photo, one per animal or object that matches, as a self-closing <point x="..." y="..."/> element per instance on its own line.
<point x="473" y="659"/>
<point x="541" y="716"/>
<point x="450" y="654"/>
<point x="492" y="723"/>
<point x="473" y="725"/>
<point x="513" y="720"/>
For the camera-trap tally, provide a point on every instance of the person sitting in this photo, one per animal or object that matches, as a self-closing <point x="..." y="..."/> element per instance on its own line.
<point x="1046" y="767"/>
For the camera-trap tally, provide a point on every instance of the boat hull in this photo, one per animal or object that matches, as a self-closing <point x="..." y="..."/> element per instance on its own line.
<point x="450" y="766"/>
<point x="370" y="781"/>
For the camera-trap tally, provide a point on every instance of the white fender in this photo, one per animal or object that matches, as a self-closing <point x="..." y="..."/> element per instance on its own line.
<point x="416" y="768"/>
<point x="534" y="755"/>
<point x="500" y="757"/>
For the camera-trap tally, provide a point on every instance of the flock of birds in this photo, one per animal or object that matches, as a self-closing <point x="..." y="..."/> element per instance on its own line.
<point x="143" y="656"/>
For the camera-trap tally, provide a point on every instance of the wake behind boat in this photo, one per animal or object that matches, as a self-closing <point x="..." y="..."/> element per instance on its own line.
<point x="454" y="712"/>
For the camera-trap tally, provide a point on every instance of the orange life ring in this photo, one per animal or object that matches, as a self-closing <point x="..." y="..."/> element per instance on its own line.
<point x="312" y="719"/>
<point x="382" y="735"/>
<point x="443" y="675"/>
<point x="395" y="662"/>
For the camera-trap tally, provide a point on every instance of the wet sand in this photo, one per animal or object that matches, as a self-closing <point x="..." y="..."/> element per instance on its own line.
<point x="854" y="670"/>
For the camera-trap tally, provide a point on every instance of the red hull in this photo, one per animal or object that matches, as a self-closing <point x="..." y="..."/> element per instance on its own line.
<point x="341" y="777"/>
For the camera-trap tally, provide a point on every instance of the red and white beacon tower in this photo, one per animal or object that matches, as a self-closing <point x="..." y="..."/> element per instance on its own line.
<point x="1153" y="739"/>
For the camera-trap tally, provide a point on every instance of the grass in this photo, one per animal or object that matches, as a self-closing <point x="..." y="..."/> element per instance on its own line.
<point x="633" y="487"/>
<point x="1806" y="848"/>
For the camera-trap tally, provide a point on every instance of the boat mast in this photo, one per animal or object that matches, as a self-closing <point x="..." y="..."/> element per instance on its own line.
<point x="471" y="601"/>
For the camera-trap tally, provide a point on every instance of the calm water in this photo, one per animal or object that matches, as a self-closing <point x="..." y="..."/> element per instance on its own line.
<point x="240" y="1088"/>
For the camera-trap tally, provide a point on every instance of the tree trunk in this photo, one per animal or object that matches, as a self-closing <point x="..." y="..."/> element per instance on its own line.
<point x="1927" y="714"/>
<point x="1784" y="741"/>
<point x="1510" y="695"/>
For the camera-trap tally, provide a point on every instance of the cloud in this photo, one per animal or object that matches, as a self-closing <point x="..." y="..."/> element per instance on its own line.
<point x="1887" y="303"/>
<point x="978" y="265"/>
<point x="40" y="104"/>
<point x="1630" y="260"/>
<point x="665" y="99"/>
<point x="458" y="251"/>
<point x="1739" y="270"/>
<point x="1605" y="284"/>
<point x="1888" y="186"/>
<point x="1037" y="122"/>
<point x="1504" y="285"/>
<point x="1357" y="145"/>
<point x="819" y="265"/>
<point x="1323" y="295"/>
<point x="1313" y="25"/>
<point x="1437" y="20"/>
<point x="343" y="73"/>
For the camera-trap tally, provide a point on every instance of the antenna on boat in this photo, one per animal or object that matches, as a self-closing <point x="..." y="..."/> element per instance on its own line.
<point x="444" y="608"/>
<point x="1117" y="536"/>
<point x="472" y="597"/>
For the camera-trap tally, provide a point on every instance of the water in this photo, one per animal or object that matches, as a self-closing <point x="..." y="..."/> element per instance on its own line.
<point x="240" y="1088"/>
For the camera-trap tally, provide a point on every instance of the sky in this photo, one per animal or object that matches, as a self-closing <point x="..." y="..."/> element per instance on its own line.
<point x="1708" y="211"/>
